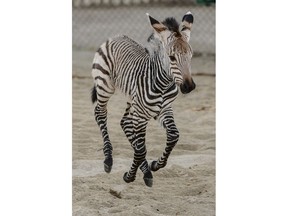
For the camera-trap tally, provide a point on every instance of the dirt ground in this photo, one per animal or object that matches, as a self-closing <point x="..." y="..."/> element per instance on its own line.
<point x="186" y="186"/>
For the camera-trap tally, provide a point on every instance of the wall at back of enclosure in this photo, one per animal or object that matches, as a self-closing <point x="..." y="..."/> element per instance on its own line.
<point x="96" y="20"/>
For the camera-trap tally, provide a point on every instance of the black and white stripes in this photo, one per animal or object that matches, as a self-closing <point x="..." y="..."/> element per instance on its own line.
<point x="149" y="77"/>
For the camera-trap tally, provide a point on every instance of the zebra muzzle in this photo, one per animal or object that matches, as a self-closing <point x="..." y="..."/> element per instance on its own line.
<point x="187" y="86"/>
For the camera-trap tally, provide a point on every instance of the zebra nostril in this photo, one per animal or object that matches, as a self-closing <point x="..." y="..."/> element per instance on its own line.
<point x="187" y="87"/>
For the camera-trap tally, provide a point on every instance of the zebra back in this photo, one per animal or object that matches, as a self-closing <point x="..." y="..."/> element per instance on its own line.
<point x="123" y="60"/>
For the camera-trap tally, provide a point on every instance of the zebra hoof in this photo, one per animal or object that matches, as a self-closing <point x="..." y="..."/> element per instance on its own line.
<point x="126" y="179"/>
<point x="153" y="166"/>
<point x="148" y="179"/>
<point x="108" y="162"/>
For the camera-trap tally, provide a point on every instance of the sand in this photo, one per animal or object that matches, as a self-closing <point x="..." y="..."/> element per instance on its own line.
<point x="186" y="186"/>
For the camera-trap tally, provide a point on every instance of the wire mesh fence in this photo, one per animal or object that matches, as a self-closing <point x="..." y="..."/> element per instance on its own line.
<point x="96" y="20"/>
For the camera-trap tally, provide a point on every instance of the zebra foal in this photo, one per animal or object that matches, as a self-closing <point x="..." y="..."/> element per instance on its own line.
<point x="149" y="76"/>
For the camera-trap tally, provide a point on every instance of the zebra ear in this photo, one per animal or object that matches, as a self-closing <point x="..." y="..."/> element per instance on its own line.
<point x="159" y="28"/>
<point x="186" y="25"/>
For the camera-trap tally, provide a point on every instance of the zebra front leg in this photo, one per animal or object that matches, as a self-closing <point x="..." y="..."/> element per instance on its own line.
<point x="172" y="138"/>
<point x="100" y="113"/>
<point x="138" y="144"/>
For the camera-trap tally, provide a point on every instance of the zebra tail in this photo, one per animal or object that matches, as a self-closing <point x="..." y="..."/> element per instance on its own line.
<point x="93" y="94"/>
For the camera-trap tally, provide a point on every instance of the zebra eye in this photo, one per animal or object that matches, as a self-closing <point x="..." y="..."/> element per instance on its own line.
<point x="172" y="58"/>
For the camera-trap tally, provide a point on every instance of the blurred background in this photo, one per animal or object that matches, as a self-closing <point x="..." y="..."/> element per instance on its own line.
<point x="96" y="20"/>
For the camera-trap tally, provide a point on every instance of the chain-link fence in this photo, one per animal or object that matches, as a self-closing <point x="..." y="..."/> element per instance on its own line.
<point x="96" y="20"/>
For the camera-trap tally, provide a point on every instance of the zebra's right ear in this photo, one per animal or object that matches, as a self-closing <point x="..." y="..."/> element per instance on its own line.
<point x="159" y="28"/>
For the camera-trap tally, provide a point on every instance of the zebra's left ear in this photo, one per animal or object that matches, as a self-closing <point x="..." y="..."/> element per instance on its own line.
<point x="186" y="25"/>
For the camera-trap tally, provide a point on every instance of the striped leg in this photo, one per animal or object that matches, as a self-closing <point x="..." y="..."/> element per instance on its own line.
<point x="138" y="144"/>
<point x="100" y="113"/>
<point x="127" y="124"/>
<point x="167" y="120"/>
<point x="101" y="119"/>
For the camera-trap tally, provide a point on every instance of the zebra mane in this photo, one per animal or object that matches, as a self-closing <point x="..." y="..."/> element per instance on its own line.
<point x="172" y="25"/>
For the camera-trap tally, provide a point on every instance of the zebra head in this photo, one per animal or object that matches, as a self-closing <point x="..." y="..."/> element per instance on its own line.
<point x="175" y="40"/>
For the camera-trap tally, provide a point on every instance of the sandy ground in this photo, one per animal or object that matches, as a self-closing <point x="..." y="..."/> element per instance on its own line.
<point x="186" y="186"/>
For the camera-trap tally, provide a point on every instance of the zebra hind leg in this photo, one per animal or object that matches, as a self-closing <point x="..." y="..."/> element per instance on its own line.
<point x="137" y="140"/>
<point x="131" y="175"/>
<point x="101" y="119"/>
<point x="144" y="167"/>
<point x="100" y="113"/>
<point x="127" y="124"/>
<point x="127" y="127"/>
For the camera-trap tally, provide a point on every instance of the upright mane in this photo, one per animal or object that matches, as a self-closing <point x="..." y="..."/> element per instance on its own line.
<point x="172" y="25"/>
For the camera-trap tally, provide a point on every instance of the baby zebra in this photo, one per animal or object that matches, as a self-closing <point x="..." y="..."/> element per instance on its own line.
<point x="149" y="77"/>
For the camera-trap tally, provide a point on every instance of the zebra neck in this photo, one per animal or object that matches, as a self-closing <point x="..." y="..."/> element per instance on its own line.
<point x="159" y="64"/>
<point x="161" y="80"/>
<point x="156" y="50"/>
